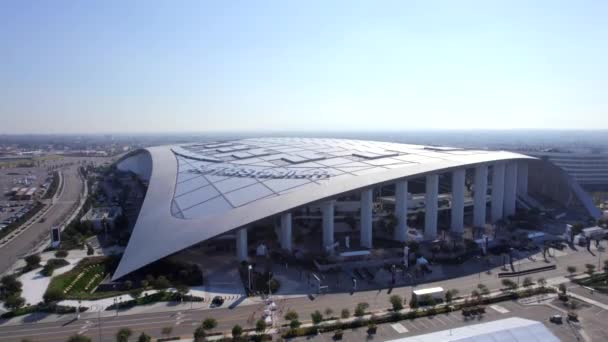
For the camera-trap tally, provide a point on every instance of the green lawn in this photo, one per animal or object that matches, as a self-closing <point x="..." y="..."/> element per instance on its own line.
<point x="80" y="282"/>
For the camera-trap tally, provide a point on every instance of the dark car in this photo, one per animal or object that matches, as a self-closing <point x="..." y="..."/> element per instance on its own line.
<point x="217" y="301"/>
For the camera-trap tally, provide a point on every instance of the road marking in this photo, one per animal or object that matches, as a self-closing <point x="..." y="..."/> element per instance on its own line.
<point x="411" y="322"/>
<point x="499" y="309"/>
<point x="440" y="320"/>
<point x="431" y="321"/>
<point x="399" y="328"/>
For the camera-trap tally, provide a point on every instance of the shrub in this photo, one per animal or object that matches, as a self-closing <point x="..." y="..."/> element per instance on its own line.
<point x="396" y="302"/>
<point x="360" y="309"/>
<point x="161" y="282"/>
<point x="61" y="253"/>
<point x="209" y="323"/>
<point x="199" y="334"/>
<point x="345" y="313"/>
<point x="260" y="326"/>
<point x="316" y="317"/>
<point x="328" y="312"/>
<point x="123" y="335"/>
<point x="127" y="285"/>
<point x="291" y="315"/>
<point x="510" y="284"/>
<point x="53" y="295"/>
<point x="143" y="337"/>
<point x="9" y="285"/>
<point x="90" y="250"/>
<point x="166" y="331"/>
<point x="590" y="268"/>
<point x="79" y="338"/>
<point x="32" y="261"/>
<point x="237" y="331"/>
<point x="527" y="282"/>
<point x="542" y="282"/>
<point x="571" y="270"/>
<point x="14" y="302"/>
<point x="294" y="324"/>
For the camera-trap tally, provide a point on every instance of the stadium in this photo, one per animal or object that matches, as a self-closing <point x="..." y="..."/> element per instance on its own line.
<point x="330" y="197"/>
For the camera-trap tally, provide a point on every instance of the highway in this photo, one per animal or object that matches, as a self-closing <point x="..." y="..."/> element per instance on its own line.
<point x="25" y="242"/>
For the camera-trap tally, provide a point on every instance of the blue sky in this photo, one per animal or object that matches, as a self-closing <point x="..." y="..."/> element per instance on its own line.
<point x="156" y="66"/>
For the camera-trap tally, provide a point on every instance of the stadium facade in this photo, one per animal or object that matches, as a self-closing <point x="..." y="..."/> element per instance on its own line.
<point x="198" y="192"/>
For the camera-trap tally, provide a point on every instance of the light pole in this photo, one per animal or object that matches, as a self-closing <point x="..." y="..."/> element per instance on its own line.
<point x="249" y="272"/>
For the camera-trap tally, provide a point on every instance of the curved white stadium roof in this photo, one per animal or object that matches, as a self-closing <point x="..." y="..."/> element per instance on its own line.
<point x="200" y="191"/>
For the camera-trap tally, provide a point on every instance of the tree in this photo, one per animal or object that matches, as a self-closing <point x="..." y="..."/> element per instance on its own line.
<point x="209" y="323"/>
<point x="510" y="284"/>
<point x="527" y="282"/>
<point x="199" y="334"/>
<point x="542" y="282"/>
<point x="237" y="331"/>
<point x="161" y="282"/>
<point x="127" y="285"/>
<point x="316" y="317"/>
<point x="483" y="289"/>
<point x="9" y="285"/>
<point x="61" y="254"/>
<point x="32" y="261"/>
<point x="182" y="290"/>
<point x="123" y="335"/>
<point x="294" y="324"/>
<point x="328" y="312"/>
<point x="136" y="293"/>
<point x="562" y="288"/>
<point x="345" y="313"/>
<point x="14" y="302"/>
<point x="590" y="268"/>
<point x="414" y="301"/>
<point x="166" y="331"/>
<point x="605" y="266"/>
<point x="79" y="338"/>
<point x="571" y="270"/>
<point x="53" y="295"/>
<point x="260" y="326"/>
<point x="143" y="337"/>
<point x="360" y="309"/>
<point x="291" y="315"/>
<point x="397" y="302"/>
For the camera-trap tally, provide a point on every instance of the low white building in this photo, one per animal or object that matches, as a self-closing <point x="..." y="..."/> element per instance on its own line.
<point x="97" y="216"/>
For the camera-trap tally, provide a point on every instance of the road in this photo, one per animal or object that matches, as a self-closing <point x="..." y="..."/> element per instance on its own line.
<point x="27" y="240"/>
<point x="183" y="321"/>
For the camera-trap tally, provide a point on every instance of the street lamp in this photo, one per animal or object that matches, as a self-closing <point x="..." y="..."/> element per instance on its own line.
<point x="249" y="272"/>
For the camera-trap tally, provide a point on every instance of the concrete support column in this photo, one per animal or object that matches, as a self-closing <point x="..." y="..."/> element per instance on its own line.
<point x="498" y="191"/>
<point x="510" y="189"/>
<point x="401" y="206"/>
<point x="457" y="224"/>
<point x="327" y="209"/>
<point x="522" y="178"/>
<point x="480" y="188"/>
<point x="366" y="218"/>
<point x="430" y="215"/>
<point x="241" y="244"/>
<point x="286" y="231"/>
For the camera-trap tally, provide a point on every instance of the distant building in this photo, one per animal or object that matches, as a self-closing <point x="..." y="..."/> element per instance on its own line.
<point x="97" y="216"/>
<point x="589" y="169"/>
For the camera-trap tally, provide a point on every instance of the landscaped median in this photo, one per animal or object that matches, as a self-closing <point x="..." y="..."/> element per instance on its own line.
<point x="470" y="307"/>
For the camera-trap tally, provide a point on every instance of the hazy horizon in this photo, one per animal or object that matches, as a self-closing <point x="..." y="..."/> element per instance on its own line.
<point x="140" y="67"/>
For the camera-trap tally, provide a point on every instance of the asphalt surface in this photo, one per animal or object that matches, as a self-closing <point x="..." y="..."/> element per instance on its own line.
<point x="183" y="321"/>
<point x="27" y="240"/>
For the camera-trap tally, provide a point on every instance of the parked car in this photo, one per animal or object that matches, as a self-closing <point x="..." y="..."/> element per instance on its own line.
<point x="557" y="319"/>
